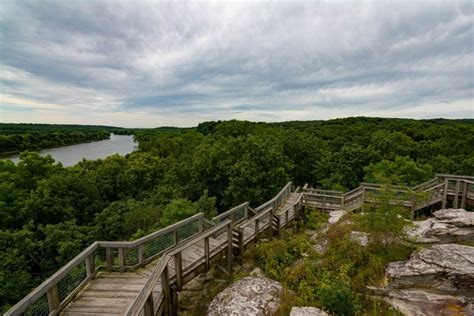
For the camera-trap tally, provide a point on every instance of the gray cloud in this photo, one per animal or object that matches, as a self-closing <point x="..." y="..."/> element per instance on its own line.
<point x="154" y="63"/>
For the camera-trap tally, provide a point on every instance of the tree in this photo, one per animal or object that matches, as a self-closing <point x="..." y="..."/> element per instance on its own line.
<point x="401" y="171"/>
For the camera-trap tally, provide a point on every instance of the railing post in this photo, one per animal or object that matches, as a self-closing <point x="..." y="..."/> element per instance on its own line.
<point x="206" y="252"/>
<point x="257" y="229"/>
<point x="174" y="300"/>
<point x="201" y="224"/>
<point x="108" y="255"/>
<point x="178" y="265"/>
<point x="270" y="225"/>
<point x="149" y="308"/>
<point x="121" y="256"/>
<point x="90" y="265"/>
<point x="456" y="194"/>
<point x="464" y="194"/>
<point x="445" y="193"/>
<point x="246" y="216"/>
<point x="175" y="236"/>
<point x="165" y="285"/>
<point x="53" y="299"/>
<point x="229" y="249"/>
<point x="141" y="255"/>
<point x="241" y="244"/>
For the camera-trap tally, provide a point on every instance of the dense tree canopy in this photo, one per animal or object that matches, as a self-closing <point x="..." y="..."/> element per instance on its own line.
<point x="49" y="213"/>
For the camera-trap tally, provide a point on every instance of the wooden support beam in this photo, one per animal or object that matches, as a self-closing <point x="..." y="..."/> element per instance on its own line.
<point x="178" y="265"/>
<point x="464" y="194"/>
<point x="165" y="285"/>
<point x="53" y="299"/>
<point x="206" y="252"/>
<point x="229" y="249"/>
<point x="90" y="266"/>
<point x="174" y="300"/>
<point x="121" y="257"/>
<point x="175" y="237"/>
<point x="141" y="255"/>
<point x="108" y="255"/>
<point x="456" y="194"/>
<point x="257" y="229"/>
<point x="445" y="193"/>
<point x="149" y="308"/>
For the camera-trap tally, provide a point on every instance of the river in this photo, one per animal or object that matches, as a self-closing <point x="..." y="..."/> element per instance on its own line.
<point x="72" y="154"/>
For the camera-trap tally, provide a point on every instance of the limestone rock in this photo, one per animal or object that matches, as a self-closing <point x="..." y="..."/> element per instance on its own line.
<point x="335" y="216"/>
<point x="416" y="302"/>
<point x="307" y="311"/>
<point x="248" y="296"/>
<point x="447" y="266"/>
<point x="360" y="237"/>
<point x="448" y="225"/>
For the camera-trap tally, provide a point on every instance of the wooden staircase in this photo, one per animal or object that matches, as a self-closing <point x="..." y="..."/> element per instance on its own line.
<point x="143" y="277"/>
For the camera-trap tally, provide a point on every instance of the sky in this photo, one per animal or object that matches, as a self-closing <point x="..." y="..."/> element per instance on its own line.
<point x="147" y="63"/>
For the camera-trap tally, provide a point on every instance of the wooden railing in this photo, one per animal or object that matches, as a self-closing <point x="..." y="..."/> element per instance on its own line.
<point x="58" y="290"/>
<point x="234" y="228"/>
<point x="460" y="189"/>
<point x="236" y="214"/>
<point x="156" y="295"/>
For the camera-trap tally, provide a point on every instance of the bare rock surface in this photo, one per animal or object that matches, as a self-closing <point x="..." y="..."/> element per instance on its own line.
<point x="248" y="296"/>
<point x="448" y="225"/>
<point x="360" y="237"/>
<point x="307" y="311"/>
<point x="445" y="266"/>
<point x="417" y="302"/>
<point x="335" y="216"/>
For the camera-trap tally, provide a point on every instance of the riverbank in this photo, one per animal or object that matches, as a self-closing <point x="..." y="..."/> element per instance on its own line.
<point x="71" y="154"/>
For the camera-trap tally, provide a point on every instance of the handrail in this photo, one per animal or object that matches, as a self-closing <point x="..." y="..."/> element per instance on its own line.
<point x="233" y="213"/>
<point x="158" y="233"/>
<point x="44" y="287"/>
<point x="272" y="202"/>
<point x="85" y="258"/>
<point x="326" y="198"/>
<point x="348" y="199"/>
<point x="455" y="176"/>
<point x="161" y="267"/>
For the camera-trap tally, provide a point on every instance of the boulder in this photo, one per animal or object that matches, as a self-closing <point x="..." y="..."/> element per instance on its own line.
<point x="416" y="302"/>
<point x="448" y="267"/>
<point x="447" y="226"/>
<point x="248" y="296"/>
<point x="307" y="311"/>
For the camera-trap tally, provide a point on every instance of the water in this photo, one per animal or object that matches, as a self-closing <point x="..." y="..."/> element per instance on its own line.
<point x="72" y="154"/>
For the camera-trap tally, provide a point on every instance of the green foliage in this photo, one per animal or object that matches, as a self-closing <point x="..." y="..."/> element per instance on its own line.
<point x="314" y="218"/>
<point x="179" y="172"/>
<point x="335" y="291"/>
<point x="273" y="257"/>
<point x="386" y="220"/>
<point x="401" y="171"/>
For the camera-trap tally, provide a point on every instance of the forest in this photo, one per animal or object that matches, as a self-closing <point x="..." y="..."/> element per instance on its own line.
<point x="15" y="138"/>
<point x="49" y="213"/>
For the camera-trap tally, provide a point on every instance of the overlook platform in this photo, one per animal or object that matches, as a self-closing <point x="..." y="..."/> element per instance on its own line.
<point x="143" y="277"/>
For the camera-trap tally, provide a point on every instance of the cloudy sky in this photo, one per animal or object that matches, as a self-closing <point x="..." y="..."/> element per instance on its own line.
<point x="145" y="64"/>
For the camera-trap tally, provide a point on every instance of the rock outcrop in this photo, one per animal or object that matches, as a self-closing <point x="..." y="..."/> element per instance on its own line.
<point x="335" y="216"/>
<point x="438" y="280"/>
<point x="360" y="237"/>
<point x="449" y="267"/>
<point x="307" y="311"/>
<point x="249" y="296"/>
<point x="416" y="302"/>
<point x="447" y="226"/>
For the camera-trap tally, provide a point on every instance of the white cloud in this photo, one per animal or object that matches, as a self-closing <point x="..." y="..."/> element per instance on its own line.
<point x="180" y="63"/>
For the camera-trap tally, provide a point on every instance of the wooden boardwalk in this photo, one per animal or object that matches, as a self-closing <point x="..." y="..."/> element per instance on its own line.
<point x="111" y="293"/>
<point x="143" y="277"/>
